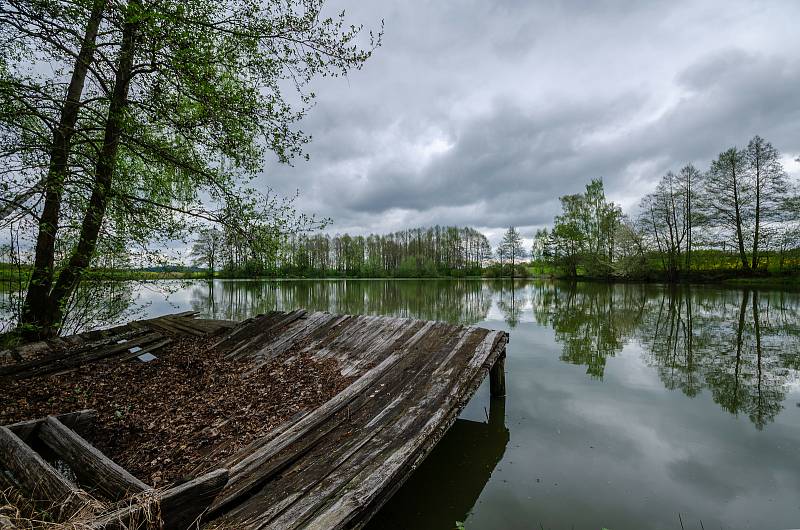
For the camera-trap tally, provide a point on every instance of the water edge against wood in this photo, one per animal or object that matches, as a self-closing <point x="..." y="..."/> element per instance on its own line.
<point x="629" y="406"/>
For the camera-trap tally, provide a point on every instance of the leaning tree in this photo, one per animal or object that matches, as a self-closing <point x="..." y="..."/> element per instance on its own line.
<point x="135" y="120"/>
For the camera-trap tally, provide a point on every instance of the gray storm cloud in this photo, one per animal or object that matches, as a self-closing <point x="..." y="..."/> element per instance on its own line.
<point x="484" y="113"/>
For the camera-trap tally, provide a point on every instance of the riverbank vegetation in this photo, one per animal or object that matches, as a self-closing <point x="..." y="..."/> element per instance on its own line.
<point x="739" y="218"/>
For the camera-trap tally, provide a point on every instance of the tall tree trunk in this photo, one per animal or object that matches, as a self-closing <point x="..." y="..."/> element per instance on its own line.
<point x="737" y="209"/>
<point x="104" y="170"/>
<point x="689" y="224"/>
<point x="758" y="214"/>
<point x="37" y="315"/>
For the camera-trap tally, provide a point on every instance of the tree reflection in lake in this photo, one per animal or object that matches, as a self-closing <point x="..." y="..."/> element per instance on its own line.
<point x="465" y="302"/>
<point x="511" y="299"/>
<point x="592" y="321"/>
<point x="740" y="345"/>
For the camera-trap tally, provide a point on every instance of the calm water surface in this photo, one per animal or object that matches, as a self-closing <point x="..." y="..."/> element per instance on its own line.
<point x="628" y="407"/>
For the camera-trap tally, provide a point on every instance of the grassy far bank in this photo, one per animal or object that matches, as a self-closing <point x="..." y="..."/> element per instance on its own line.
<point x="708" y="267"/>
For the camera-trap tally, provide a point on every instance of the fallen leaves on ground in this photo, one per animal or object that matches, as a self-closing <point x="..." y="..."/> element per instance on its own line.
<point x="186" y="412"/>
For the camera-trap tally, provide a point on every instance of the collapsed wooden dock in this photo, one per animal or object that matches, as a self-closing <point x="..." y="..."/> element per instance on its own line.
<point x="332" y="467"/>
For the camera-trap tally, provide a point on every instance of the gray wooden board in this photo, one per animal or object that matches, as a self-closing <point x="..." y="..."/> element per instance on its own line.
<point x="95" y="470"/>
<point x="37" y="478"/>
<point x="337" y="470"/>
<point x="333" y="466"/>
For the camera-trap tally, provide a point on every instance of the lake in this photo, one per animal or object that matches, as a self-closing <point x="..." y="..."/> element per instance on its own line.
<point x="629" y="406"/>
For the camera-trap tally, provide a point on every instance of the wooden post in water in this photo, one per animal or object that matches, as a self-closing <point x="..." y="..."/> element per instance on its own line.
<point x="497" y="377"/>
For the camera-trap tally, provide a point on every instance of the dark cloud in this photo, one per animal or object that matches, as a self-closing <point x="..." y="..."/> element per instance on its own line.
<point x="483" y="113"/>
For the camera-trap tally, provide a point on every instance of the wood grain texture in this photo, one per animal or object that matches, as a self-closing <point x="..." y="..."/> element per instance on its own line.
<point x="37" y="478"/>
<point x="95" y="471"/>
<point x="337" y="465"/>
<point x="331" y="467"/>
<point x="77" y="421"/>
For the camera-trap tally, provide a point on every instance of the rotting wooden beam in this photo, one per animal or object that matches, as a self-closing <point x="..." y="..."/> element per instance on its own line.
<point x="497" y="377"/>
<point x="94" y="469"/>
<point x="77" y="420"/>
<point x="38" y="479"/>
<point x="177" y="508"/>
<point x="183" y="505"/>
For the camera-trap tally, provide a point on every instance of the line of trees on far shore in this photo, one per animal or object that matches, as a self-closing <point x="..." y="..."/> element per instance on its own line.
<point x="741" y="216"/>
<point x="419" y="252"/>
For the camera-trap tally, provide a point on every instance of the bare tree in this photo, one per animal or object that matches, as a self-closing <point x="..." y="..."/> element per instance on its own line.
<point x="769" y="189"/>
<point x="727" y="192"/>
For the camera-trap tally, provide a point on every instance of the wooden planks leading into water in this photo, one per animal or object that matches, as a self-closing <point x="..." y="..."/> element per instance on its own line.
<point x="330" y="468"/>
<point x="334" y="467"/>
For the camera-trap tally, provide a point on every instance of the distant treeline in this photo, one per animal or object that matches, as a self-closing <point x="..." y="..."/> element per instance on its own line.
<point x="741" y="216"/>
<point x="415" y="253"/>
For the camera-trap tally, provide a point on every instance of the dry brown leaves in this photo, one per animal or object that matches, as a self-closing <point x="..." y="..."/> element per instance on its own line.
<point x="180" y="415"/>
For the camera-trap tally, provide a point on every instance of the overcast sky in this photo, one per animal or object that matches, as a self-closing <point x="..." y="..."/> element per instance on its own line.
<point x="482" y="113"/>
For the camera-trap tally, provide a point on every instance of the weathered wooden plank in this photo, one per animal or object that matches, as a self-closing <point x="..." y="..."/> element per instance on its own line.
<point x="385" y="399"/>
<point x="388" y="427"/>
<point x="183" y="505"/>
<point x="178" y="508"/>
<point x="228" y="339"/>
<point x="77" y="420"/>
<point x="78" y="358"/>
<point x="175" y="326"/>
<point x="400" y="454"/>
<point x="258" y="466"/>
<point x="326" y="333"/>
<point x="395" y="328"/>
<point x="246" y="348"/>
<point x="37" y="478"/>
<point x="95" y="470"/>
<point x="295" y="332"/>
<point x="344" y="336"/>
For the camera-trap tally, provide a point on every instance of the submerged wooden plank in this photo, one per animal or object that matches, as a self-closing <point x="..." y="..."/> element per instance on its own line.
<point x="93" y="468"/>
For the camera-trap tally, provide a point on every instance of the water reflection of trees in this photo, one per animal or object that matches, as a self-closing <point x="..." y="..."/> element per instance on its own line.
<point x="743" y="346"/>
<point x="511" y="299"/>
<point x="465" y="302"/>
<point x="591" y="321"/>
<point x="740" y="345"/>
